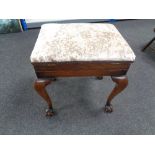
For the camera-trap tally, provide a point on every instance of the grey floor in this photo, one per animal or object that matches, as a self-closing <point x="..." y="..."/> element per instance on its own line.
<point x="78" y="101"/>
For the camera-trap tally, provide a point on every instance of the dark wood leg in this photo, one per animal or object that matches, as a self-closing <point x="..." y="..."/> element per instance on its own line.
<point x="148" y="44"/>
<point x="121" y="84"/>
<point x="99" y="77"/>
<point x="40" y="86"/>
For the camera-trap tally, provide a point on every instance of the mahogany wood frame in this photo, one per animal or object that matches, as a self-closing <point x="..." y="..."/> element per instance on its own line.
<point x="47" y="72"/>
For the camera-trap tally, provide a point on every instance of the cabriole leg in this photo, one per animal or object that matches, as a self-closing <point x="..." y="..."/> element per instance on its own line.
<point x="121" y="84"/>
<point x="40" y="86"/>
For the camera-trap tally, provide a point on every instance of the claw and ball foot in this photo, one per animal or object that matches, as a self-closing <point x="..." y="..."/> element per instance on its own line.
<point x="40" y="86"/>
<point x="108" y="109"/>
<point x="49" y="112"/>
<point x="121" y="84"/>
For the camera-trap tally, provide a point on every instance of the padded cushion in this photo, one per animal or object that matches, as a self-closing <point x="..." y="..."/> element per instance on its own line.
<point x="80" y="42"/>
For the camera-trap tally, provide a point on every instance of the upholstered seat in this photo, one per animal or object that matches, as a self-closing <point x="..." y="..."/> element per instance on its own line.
<point x="80" y="42"/>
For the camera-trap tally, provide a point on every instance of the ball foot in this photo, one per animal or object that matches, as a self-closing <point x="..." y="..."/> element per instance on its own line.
<point x="49" y="112"/>
<point x="108" y="109"/>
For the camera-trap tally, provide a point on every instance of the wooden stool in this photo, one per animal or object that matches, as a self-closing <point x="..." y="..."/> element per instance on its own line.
<point x="74" y="50"/>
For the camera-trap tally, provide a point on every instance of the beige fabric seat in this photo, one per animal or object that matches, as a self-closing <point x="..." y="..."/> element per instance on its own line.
<point x="80" y="42"/>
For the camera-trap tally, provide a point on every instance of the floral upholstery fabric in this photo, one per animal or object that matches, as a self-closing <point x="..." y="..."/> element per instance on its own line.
<point x="80" y="42"/>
